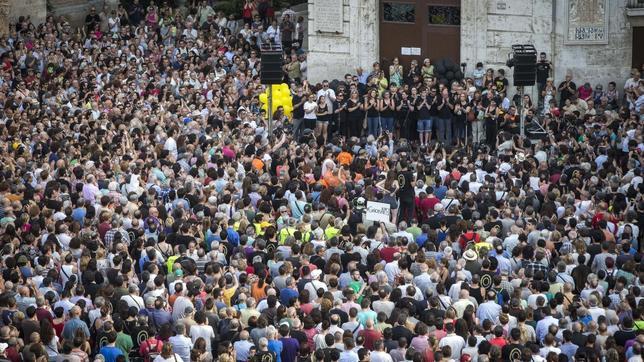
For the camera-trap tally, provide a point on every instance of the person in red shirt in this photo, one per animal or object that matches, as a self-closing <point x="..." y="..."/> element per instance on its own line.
<point x="387" y="253"/>
<point x="425" y="202"/>
<point x="469" y="236"/>
<point x="370" y="334"/>
<point x="498" y="339"/>
<point x="431" y="198"/>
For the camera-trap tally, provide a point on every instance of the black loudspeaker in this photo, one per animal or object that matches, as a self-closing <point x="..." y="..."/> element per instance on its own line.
<point x="524" y="61"/>
<point x="271" y="71"/>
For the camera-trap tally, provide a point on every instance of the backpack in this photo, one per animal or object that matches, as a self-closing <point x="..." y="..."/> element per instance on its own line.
<point x="151" y="351"/>
<point x="441" y="235"/>
<point x="500" y="299"/>
<point x="610" y="279"/>
<point x="466" y="239"/>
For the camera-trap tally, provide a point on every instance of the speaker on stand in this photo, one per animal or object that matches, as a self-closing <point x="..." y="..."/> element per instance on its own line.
<point x="523" y="61"/>
<point x="270" y="73"/>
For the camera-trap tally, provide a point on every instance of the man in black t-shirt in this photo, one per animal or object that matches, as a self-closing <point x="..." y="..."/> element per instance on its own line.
<point x="544" y="67"/>
<point x="298" y="100"/>
<point x="339" y="114"/>
<point x="512" y="351"/>
<point x="406" y="193"/>
<point x="92" y="20"/>
<point x="566" y="90"/>
<point x="501" y="81"/>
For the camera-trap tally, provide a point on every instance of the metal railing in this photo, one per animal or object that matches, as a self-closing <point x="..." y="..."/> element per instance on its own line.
<point x="635" y="4"/>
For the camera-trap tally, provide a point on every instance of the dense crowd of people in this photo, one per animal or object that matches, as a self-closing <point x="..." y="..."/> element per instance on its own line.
<point x="146" y="214"/>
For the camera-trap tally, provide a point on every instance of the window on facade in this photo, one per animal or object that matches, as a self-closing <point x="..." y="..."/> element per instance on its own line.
<point x="399" y="13"/>
<point x="445" y="15"/>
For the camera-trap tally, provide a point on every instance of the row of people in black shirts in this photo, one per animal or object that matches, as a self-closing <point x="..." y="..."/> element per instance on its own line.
<point x="406" y="108"/>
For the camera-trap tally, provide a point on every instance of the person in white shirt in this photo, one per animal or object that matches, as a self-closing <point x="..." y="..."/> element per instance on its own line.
<point x="180" y="343"/>
<point x="549" y="346"/>
<point x="453" y="340"/>
<point x="462" y="303"/>
<point x="273" y="32"/>
<point x="242" y="347"/>
<point x="594" y="310"/>
<point x="179" y="307"/>
<point x="315" y="283"/>
<point x="310" y="107"/>
<point x="379" y="354"/>
<point x="474" y="185"/>
<point x="202" y="329"/>
<point x="190" y="33"/>
<point x="170" y="144"/>
<point x="349" y="355"/>
<point x="328" y="93"/>
<point x="133" y="299"/>
<point x="449" y="200"/>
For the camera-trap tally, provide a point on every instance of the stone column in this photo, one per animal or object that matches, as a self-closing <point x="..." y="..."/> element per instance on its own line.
<point x="4" y="17"/>
<point x="474" y="23"/>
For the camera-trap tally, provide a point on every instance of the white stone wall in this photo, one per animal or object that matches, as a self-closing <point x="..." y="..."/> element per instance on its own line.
<point x="333" y="55"/>
<point x="37" y="9"/>
<point x="597" y="63"/>
<point x="490" y="27"/>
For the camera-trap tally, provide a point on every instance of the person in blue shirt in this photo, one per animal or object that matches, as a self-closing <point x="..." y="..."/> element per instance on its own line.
<point x="274" y="345"/>
<point x="110" y="351"/>
<point x="232" y="236"/>
<point x="440" y="190"/>
<point x="289" y="292"/>
<point x="423" y="237"/>
<point x="74" y="323"/>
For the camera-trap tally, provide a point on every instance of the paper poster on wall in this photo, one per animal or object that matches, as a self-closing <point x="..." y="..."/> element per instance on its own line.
<point x="405" y="51"/>
<point x="378" y="211"/>
<point x="586" y="21"/>
<point x="415" y="51"/>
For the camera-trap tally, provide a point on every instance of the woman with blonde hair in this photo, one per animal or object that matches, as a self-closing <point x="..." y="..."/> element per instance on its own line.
<point x="396" y="72"/>
<point x="580" y="249"/>
<point x="167" y="354"/>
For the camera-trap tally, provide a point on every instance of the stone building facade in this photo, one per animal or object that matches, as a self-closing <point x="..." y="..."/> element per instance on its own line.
<point x="342" y="34"/>
<point x="10" y="10"/>
<point x="592" y="39"/>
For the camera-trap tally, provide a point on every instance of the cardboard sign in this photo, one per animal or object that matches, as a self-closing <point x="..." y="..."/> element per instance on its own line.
<point x="378" y="211"/>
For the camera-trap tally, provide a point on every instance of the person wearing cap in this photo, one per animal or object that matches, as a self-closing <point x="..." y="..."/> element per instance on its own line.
<point x="315" y="284"/>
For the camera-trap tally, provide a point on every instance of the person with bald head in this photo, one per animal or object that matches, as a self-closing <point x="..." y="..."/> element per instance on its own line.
<point x="74" y="323"/>
<point x="462" y="302"/>
<point x="370" y="334"/>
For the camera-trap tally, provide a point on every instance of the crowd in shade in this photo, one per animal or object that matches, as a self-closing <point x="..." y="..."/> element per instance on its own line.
<point x="147" y="214"/>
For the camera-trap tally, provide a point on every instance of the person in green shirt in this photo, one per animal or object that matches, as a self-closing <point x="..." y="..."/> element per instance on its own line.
<point x="357" y="284"/>
<point x="123" y="341"/>
<point x="356" y="281"/>
<point x="414" y="229"/>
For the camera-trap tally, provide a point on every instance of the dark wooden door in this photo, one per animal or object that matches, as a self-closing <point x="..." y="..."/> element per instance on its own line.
<point x="431" y="27"/>
<point x="638" y="49"/>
